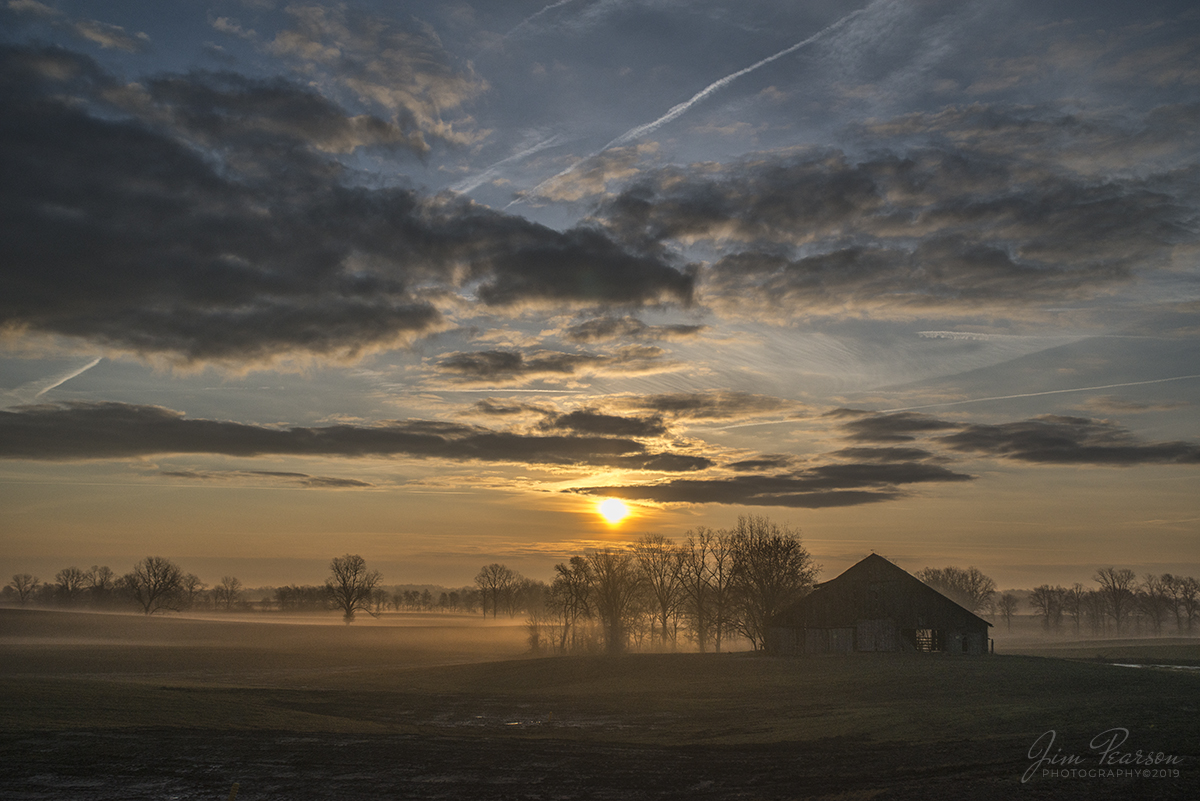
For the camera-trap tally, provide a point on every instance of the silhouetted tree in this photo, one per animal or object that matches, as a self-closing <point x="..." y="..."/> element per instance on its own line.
<point x="771" y="570"/>
<point x="1047" y="602"/>
<point x="570" y="598"/>
<point x="101" y="583"/>
<point x="1117" y="589"/>
<point x="704" y="568"/>
<point x="155" y="584"/>
<point x="495" y="583"/>
<point x="659" y="560"/>
<point x="70" y="583"/>
<point x="350" y="585"/>
<point x="1008" y="607"/>
<point x="24" y="584"/>
<point x="1073" y="603"/>
<point x="615" y="592"/>
<point x="967" y="587"/>
<point x="226" y="593"/>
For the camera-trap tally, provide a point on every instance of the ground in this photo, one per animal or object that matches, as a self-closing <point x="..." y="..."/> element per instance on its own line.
<point x="98" y="706"/>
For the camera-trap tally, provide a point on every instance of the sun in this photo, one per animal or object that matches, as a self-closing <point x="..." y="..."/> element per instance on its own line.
<point x="613" y="510"/>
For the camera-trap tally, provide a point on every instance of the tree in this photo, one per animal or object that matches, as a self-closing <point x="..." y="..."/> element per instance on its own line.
<point x="350" y="584"/>
<point x="226" y="593"/>
<point x="1047" y="601"/>
<point x="771" y="570"/>
<point x="615" y="592"/>
<point x="25" y="585"/>
<point x="495" y="583"/>
<point x="705" y="575"/>
<point x="570" y="597"/>
<point x="70" y="583"/>
<point x="1074" y="603"/>
<point x="1117" y="590"/>
<point x="156" y="584"/>
<point x="659" y="560"/>
<point x="968" y="587"/>
<point x="101" y="582"/>
<point x="1008" y="607"/>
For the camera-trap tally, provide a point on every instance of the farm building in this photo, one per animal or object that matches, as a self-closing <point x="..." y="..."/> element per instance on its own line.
<point x="876" y="606"/>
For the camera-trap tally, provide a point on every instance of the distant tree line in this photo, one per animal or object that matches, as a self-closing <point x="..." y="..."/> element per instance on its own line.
<point x="1120" y="604"/>
<point x="155" y="585"/>
<point x="659" y="594"/>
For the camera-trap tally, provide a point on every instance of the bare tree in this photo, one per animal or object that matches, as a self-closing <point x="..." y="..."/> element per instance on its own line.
<point x="615" y="592"/>
<point x="1073" y="603"/>
<point x="350" y="585"/>
<point x="1047" y="602"/>
<point x="771" y="570"/>
<point x="967" y="587"/>
<point x="495" y="583"/>
<point x="226" y="593"/>
<point x="694" y="567"/>
<point x="1154" y="598"/>
<point x="1007" y="607"/>
<point x="101" y="583"/>
<point x="25" y="584"/>
<point x="156" y="584"/>
<point x="70" y="583"/>
<point x="1187" y="591"/>
<point x="1117" y="589"/>
<point x="659" y="560"/>
<point x="570" y="598"/>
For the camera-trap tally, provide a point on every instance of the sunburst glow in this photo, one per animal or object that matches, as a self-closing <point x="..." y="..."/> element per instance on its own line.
<point x="613" y="510"/>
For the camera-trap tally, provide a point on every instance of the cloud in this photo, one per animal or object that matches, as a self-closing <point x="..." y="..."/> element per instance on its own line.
<point x="131" y="233"/>
<point x="1115" y="404"/>
<point x="492" y="366"/>
<point x="715" y="405"/>
<point x="591" y="422"/>
<point x="1055" y="439"/>
<point x="603" y="329"/>
<point x="296" y="479"/>
<point x="402" y="69"/>
<point x="224" y="109"/>
<point x="79" y="431"/>
<point x="820" y="487"/>
<point x="110" y="36"/>
<point x="936" y="227"/>
<point x="894" y="427"/>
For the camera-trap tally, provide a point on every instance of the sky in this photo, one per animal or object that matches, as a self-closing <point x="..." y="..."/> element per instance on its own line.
<point x="427" y="281"/>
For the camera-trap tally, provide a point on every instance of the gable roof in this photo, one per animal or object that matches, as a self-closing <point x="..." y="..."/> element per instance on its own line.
<point x="873" y="570"/>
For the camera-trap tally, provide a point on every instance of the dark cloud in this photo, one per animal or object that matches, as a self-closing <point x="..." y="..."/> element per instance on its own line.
<point x="717" y="405"/>
<point x="814" y="488"/>
<point x="120" y="431"/>
<point x="401" y="67"/>
<point x="592" y="422"/>
<point x="1054" y="439"/>
<point x="884" y="454"/>
<point x="489" y="366"/>
<point x="892" y="427"/>
<point x="606" y="328"/>
<point x="298" y="479"/>
<point x="946" y="228"/>
<point x="118" y="228"/>
<point x="765" y="462"/>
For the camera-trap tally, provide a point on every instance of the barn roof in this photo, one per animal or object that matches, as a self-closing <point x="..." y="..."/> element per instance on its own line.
<point x="875" y="569"/>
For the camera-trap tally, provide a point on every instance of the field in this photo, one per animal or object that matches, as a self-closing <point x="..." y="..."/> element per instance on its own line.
<point x="96" y="706"/>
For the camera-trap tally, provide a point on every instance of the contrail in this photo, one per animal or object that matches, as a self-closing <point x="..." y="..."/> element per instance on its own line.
<point x="467" y="184"/>
<point x="535" y="15"/>
<point x="62" y="379"/>
<point x="1036" y="394"/>
<point x="680" y="109"/>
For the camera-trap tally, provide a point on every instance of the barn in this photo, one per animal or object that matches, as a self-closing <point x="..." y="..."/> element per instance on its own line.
<point x="876" y="606"/>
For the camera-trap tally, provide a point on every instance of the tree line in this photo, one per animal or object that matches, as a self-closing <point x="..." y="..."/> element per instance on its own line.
<point x="1120" y="603"/>
<point x="713" y="586"/>
<point x="155" y="585"/>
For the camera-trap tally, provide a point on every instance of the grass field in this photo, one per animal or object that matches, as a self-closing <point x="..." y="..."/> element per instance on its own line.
<point x="124" y="707"/>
